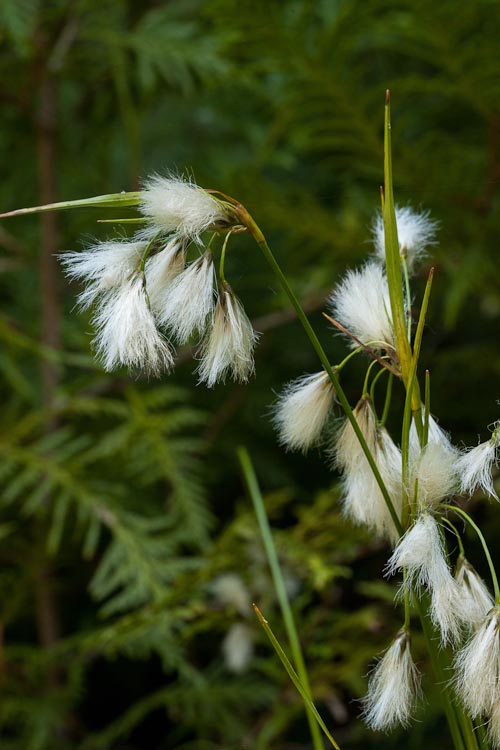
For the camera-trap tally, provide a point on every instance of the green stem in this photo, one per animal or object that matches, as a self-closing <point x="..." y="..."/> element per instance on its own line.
<point x="413" y="398"/>
<point x="440" y="677"/>
<point x="147" y="250"/>
<point x="372" y="389"/>
<point x="256" y="233"/>
<point x="367" y="378"/>
<point x="478" y="531"/>
<point x="348" y="358"/>
<point x="223" y="258"/>
<point x="112" y="200"/>
<point x="388" y="396"/>
<point x="406" y="277"/>
<point x="279" y="584"/>
<point x="427" y="407"/>
<point x="293" y="675"/>
<point x="406" y="602"/>
<point x="392" y="254"/>
<point x="457" y="534"/>
<point x="481" y="735"/>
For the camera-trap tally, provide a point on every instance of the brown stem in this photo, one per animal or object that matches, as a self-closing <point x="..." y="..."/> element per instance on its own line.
<point x="45" y="121"/>
<point x="50" y="333"/>
<point x="47" y="616"/>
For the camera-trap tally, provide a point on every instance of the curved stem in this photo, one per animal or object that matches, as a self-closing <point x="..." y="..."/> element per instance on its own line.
<point x="374" y="383"/>
<point x="457" y="534"/>
<point x="367" y="378"/>
<point x="348" y="358"/>
<point x="147" y="250"/>
<point x="388" y="396"/>
<point x="478" y="531"/>
<point x="223" y="258"/>
<point x="256" y="233"/>
<point x="279" y="584"/>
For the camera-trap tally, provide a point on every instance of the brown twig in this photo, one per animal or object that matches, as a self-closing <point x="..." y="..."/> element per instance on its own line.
<point x="382" y="362"/>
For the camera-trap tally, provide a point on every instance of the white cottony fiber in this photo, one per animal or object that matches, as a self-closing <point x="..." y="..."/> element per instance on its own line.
<point x="477" y="668"/>
<point x="416" y="232"/>
<point x="103" y="266"/>
<point x="393" y="687"/>
<point x="475" y="599"/>
<point x="127" y="333"/>
<point x="229" y="345"/>
<point x="475" y="465"/>
<point x="362" y="498"/>
<point x="421" y="552"/>
<point x="189" y="300"/>
<point x="178" y="205"/>
<point x="161" y="269"/>
<point x="361" y="304"/>
<point x="302" y="410"/>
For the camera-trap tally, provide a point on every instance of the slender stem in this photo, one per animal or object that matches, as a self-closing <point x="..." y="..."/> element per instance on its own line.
<point x="279" y="584"/>
<point x="145" y="254"/>
<point x="256" y="233"/>
<point x="406" y="278"/>
<point x="412" y="399"/>
<point x="388" y="396"/>
<point x="406" y="602"/>
<point x="440" y="676"/>
<point x="293" y="675"/>
<point x="427" y="406"/>
<point x="392" y="254"/>
<point x="478" y="531"/>
<point x="457" y="534"/>
<point x="367" y="378"/>
<point x="223" y="258"/>
<point x="481" y="735"/>
<point x="372" y="389"/>
<point x="348" y="358"/>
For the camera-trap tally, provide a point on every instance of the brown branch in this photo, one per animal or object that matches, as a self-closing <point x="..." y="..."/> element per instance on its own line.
<point x="45" y="123"/>
<point x="367" y="349"/>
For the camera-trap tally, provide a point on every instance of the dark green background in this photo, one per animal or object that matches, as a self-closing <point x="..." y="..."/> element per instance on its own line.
<point x="122" y="500"/>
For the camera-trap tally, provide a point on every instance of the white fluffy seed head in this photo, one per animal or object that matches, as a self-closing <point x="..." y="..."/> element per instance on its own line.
<point x="161" y="269"/>
<point x="229" y="345"/>
<point x="477" y="668"/>
<point x="237" y="648"/>
<point x="393" y="687"/>
<point x="103" y="267"/>
<point x="475" y="465"/>
<point x="302" y="410"/>
<point x="126" y="331"/>
<point x="416" y="233"/>
<point x="361" y="303"/>
<point x="433" y="467"/>
<point x="436" y="434"/>
<point x="432" y="475"/>
<point x="421" y="552"/>
<point x="229" y="590"/>
<point x="475" y="599"/>
<point x="362" y="498"/>
<point x="178" y="205"/>
<point x="347" y="447"/>
<point x="189" y="300"/>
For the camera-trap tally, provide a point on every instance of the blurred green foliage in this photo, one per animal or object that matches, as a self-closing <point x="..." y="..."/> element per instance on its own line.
<point x="122" y="505"/>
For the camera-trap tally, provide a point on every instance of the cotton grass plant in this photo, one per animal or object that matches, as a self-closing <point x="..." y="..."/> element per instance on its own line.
<point x="167" y="286"/>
